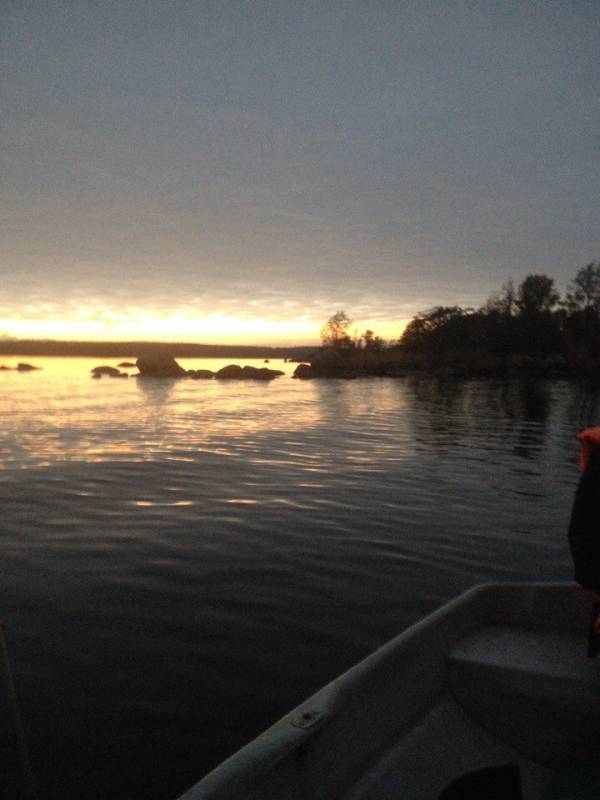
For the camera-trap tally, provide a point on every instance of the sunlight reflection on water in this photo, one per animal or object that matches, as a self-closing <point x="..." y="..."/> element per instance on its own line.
<point x="60" y="414"/>
<point x="184" y="556"/>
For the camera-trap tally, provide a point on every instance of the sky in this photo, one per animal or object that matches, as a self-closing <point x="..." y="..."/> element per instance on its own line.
<point x="239" y="170"/>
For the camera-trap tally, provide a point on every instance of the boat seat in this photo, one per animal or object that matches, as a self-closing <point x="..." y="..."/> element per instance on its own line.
<point x="541" y="663"/>
<point x="519" y="683"/>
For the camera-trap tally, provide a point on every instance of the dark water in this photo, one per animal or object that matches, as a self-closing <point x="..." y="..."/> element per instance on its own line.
<point x="183" y="563"/>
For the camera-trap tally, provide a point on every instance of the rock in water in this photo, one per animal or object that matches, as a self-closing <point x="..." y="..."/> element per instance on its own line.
<point x="26" y="367"/>
<point x="256" y="374"/>
<point x="231" y="372"/>
<point x="112" y="372"/>
<point x="158" y="364"/>
<point x="266" y="374"/>
<point x="235" y="372"/>
<point x="304" y="371"/>
<point x="200" y="374"/>
<point x="126" y="364"/>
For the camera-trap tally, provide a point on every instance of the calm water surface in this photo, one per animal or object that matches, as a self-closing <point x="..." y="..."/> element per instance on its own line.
<point x="185" y="561"/>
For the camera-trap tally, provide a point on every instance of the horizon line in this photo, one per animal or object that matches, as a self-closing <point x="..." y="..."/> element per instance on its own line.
<point x="158" y="343"/>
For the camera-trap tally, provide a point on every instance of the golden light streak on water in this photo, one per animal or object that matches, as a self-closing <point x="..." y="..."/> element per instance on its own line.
<point x="60" y="414"/>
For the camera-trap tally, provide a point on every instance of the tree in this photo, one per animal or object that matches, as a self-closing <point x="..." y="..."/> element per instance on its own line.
<point x="371" y="342"/>
<point x="335" y="332"/>
<point x="584" y="292"/>
<point x="536" y="295"/>
<point x="538" y="329"/>
<point x="504" y="302"/>
<point x="432" y="327"/>
<point x="582" y="305"/>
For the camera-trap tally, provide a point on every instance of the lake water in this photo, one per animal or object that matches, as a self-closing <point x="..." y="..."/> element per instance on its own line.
<point x="185" y="561"/>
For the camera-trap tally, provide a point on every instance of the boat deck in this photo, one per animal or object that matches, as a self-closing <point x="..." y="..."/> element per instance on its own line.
<point x="411" y="770"/>
<point x="504" y="684"/>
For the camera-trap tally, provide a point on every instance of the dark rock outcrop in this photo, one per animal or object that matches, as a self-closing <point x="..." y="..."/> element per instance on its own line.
<point x="126" y="364"/>
<point x="21" y="367"/>
<point x="158" y="364"/>
<point x="304" y="371"/>
<point x="200" y="374"/>
<point x="112" y="372"/>
<point x="260" y="374"/>
<point x="235" y="372"/>
<point x="230" y="372"/>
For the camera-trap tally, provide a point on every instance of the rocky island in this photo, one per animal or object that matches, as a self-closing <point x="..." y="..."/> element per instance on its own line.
<point x="111" y="372"/>
<point x="159" y="364"/>
<point x="21" y="367"/>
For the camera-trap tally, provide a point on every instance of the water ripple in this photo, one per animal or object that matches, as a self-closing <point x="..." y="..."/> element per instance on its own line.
<point x="184" y="557"/>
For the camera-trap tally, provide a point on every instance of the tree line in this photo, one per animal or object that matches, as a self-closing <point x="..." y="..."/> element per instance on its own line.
<point x="530" y="320"/>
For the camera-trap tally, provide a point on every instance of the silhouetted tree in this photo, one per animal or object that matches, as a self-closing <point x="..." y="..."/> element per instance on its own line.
<point x="530" y="321"/>
<point x="504" y="302"/>
<point x="425" y="328"/>
<point x="501" y="330"/>
<point x="582" y="311"/>
<point x="584" y="291"/>
<point x="335" y="332"/>
<point x="538" y="331"/>
<point x="372" y="343"/>
<point x="536" y="295"/>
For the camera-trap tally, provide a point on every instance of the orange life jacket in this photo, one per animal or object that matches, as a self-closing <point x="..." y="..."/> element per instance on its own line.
<point x="588" y="438"/>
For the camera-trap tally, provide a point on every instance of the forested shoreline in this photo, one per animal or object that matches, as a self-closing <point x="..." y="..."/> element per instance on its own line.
<point x="527" y="329"/>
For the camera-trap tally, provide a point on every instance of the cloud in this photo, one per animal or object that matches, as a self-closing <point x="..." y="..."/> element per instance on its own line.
<point x="276" y="164"/>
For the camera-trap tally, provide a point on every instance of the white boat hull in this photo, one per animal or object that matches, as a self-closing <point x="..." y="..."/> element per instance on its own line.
<point x="497" y="676"/>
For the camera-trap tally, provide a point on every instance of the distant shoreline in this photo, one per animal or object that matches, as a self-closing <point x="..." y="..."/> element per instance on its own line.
<point x="51" y="347"/>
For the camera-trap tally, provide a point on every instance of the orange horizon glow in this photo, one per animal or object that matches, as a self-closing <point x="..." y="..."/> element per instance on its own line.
<point x="180" y="326"/>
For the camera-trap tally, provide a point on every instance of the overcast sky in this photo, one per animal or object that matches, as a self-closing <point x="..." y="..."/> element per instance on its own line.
<point x="263" y="164"/>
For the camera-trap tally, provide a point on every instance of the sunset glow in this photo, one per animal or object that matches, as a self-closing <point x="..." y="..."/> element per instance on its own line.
<point x="90" y="323"/>
<point x="229" y="173"/>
